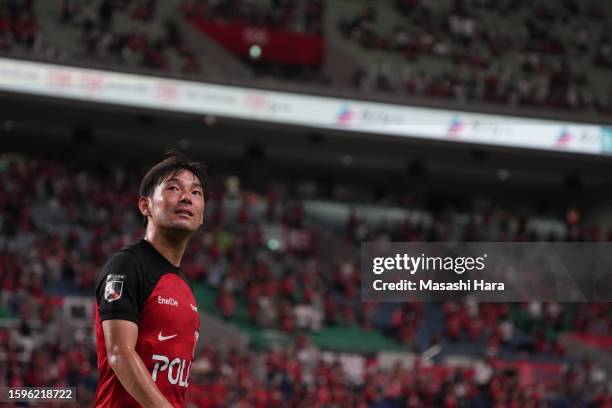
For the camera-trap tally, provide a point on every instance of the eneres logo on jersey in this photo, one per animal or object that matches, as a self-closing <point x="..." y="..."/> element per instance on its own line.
<point x="114" y="287"/>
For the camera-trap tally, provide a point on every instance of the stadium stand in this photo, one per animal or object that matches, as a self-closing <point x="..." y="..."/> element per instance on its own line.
<point x="281" y="267"/>
<point x="533" y="54"/>
<point x="59" y="225"/>
<point x="509" y="53"/>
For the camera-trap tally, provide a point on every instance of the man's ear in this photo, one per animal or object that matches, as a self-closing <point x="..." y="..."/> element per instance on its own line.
<point x="143" y="206"/>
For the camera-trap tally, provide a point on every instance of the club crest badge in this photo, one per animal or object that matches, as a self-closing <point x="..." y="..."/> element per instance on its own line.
<point x="114" y="287"/>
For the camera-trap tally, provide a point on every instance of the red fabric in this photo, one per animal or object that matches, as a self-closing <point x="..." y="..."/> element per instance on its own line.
<point x="276" y="45"/>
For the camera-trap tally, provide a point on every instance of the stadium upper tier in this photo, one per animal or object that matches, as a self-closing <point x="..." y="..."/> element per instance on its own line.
<point x="525" y="54"/>
<point x="529" y="53"/>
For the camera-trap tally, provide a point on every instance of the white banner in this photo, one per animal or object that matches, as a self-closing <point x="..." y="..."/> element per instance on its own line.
<point x="301" y="110"/>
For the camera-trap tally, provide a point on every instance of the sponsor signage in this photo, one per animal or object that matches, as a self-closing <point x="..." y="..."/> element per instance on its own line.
<point x="301" y="110"/>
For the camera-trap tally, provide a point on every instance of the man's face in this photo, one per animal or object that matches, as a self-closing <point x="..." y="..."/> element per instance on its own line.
<point x="178" y="203"/>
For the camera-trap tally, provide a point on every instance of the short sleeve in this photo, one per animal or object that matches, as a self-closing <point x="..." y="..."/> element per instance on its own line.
<point x="119" y="288"/>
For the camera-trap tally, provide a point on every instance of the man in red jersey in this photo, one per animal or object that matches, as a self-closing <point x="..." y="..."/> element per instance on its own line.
<point x="147" y="320"/>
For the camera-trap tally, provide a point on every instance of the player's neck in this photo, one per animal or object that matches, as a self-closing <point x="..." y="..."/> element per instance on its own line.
<point x="170" y="247"/>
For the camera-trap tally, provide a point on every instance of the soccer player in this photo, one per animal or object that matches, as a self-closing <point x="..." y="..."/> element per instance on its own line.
<point x="147" y="320"/>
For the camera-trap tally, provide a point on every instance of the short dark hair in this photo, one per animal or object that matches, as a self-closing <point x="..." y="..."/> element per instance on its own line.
<point x="174" y="163"/>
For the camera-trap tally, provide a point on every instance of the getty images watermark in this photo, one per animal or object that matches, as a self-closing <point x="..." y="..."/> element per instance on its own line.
<point x="414" y="264"/>
<point x="503" y="272"/>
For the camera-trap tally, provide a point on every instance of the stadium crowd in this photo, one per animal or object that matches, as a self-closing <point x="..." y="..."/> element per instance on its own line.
<point x="59" y="225"/>
<point x="18" y="25"/>
<point x="300" y="376"/>
<point x="104" y="40"/>
<point x="531" y="54"/>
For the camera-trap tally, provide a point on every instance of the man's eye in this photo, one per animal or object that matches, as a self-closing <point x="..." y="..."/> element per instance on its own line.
<point x="197" y="192"/>
<point x="173" y="188"/>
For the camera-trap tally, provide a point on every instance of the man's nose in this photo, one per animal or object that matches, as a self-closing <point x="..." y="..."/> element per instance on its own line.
<point x="185" y="197"/>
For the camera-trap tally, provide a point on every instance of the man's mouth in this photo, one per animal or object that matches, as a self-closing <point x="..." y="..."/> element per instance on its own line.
<point x="185" y="212"/>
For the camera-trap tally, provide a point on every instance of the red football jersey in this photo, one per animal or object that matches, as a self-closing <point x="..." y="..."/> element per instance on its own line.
<point x="140" y="285"/>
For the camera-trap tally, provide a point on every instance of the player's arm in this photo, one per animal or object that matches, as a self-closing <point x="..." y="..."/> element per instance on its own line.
<point x="119" y="291"/>
<point x="120" y="341"/>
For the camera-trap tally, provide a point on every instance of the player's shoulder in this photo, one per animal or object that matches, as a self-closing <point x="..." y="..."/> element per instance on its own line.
<point x="128" y="256"/>
<point x="127" y="261"/>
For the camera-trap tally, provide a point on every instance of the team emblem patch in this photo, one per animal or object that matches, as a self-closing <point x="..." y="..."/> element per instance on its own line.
<point x="114" y="287"/>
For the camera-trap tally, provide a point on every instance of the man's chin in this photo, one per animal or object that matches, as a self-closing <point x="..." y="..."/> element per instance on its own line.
<point x="181" y="227"/>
